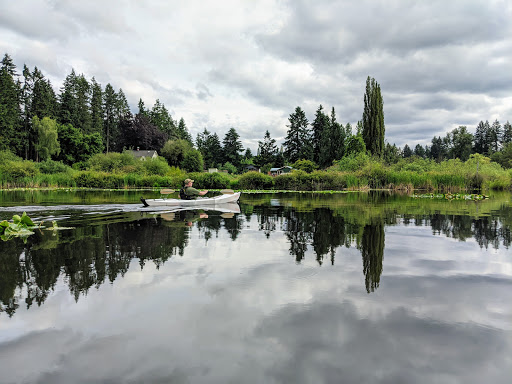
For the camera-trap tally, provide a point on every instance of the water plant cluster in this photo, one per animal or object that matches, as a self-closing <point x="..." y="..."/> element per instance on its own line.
<point x="21" y="226"/>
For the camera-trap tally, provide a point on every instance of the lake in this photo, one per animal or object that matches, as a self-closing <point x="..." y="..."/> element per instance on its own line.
<point x="287" y="288"/>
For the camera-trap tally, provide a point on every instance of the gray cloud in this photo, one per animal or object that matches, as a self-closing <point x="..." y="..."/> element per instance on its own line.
<point x="439" y="64"/>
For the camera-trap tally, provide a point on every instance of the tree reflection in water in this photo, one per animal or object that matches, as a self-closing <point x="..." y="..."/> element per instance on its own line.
<point x="102" y="248"/>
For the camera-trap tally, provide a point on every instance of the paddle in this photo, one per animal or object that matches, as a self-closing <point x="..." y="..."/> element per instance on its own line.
<point x="227" y="192"/>
<point x="166" y="191"/>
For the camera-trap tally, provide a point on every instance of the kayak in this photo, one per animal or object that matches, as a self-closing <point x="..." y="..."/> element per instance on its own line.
<point x="217" y="200"/>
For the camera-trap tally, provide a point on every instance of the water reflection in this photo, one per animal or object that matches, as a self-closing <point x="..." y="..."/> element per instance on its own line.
<point x="103" y="245"/>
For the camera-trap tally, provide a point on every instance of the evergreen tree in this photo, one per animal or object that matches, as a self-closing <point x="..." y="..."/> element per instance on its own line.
<point x="267" y="150"/>
<point x="407" y="152"/>
<point x="391" y="154"/>
<point x="183" y="131"/>
<point x="96" y="108"/>
<point x="298" y="138"/>
<point x="160" y="117"/>
<point x="507" y="134"/>
<point x="232" y="148"/>
<point x="373" y="118"/>
<point x="337" y="138"/>
<point x="44" y="100"/>
<point x="419" y="151"/>
<point x="209" y="146"/>
<point x="110" y="122"/>
<point x="494" y="137"/>
<point x="438" y="149"/>
<point x="248" y="154"/>
<point x="83" y="119"/>
<point x="10" y="112"/>
<point x="461" y="143"/>
<point x="320" y="127"/>
<point x="480" y="138"/>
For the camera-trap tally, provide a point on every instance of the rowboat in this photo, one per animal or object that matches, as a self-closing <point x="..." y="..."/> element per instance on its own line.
<point x="199" y="202"/>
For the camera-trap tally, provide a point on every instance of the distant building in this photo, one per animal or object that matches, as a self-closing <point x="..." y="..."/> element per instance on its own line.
<point x="143" y="155"/>
<point x="251" y="167"/>
<point x="213" y="170"/>
<point x="280" y="170"/>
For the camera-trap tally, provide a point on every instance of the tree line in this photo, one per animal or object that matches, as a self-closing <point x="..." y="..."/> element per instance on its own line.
<point x="85" y="119"/>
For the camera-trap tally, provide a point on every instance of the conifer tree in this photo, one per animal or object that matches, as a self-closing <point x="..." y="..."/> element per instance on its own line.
<point x="110" y="121"/>
<point x="183" y="131"/>
<point x="267" y="150"/>
<point x="96" y="108"/>
<point x="232" y="148"/>
<point x="10" y="112"/>
<point x="298" y="138"/>
<point x="373" y="128"/>
<point x="320" y="128"/>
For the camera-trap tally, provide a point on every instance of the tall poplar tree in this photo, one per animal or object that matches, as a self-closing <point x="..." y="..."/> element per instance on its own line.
<point x="373" y="118"/>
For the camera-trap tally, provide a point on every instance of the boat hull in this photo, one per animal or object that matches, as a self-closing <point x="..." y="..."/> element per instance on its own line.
<point x="208" y="201"/>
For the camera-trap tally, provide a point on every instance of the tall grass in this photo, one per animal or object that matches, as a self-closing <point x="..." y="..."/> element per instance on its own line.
<point x="358" y="172"/>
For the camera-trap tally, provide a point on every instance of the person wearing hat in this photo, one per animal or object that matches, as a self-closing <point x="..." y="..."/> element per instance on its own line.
<point x="190" y="193"/>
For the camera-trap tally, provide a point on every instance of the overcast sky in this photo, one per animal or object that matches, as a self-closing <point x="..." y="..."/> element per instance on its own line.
<point x="249" y="64"/>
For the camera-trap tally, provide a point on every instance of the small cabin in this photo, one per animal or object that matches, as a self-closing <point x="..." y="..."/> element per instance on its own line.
<point x="143" y="154"/>
<point x="280" y="170"/>
<point x="250" y="167"/>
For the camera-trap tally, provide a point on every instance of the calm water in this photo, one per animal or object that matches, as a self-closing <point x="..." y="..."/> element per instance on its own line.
<point x="292" y="288"/>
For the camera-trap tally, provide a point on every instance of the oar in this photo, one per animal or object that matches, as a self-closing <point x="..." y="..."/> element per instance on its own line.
<point x="166" y="191"/>
<point x="227" y="192"/>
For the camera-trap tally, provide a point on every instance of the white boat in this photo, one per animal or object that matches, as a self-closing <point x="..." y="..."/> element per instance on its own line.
<point x="199" y="202"/>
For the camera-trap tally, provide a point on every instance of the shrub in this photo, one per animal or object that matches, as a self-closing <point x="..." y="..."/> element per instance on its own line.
<point x="51" y="166"/>
<point x="255" y="180"/>
<point x="15" y="170"/>
<point x="305" y="165"/>
<point x="112" y="162"/>
<point x="156" y="166"/>
<point x="215" y="180"/>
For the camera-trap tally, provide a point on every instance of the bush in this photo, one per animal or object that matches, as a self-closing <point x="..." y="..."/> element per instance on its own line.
<point x="156" y="166"/>
<point x="305" y="165"/>
<point x="15" y="170"/>
<point x="255" y="180"/>
<point x="215" y="180"/>
<point x="51" y="166"/>
<point x="112" y="162"/>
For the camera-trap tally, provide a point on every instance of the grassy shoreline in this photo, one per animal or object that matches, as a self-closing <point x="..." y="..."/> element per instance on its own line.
<point x="356" y="173"/>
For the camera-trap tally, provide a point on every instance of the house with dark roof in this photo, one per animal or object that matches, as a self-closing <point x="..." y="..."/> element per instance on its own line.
<point x="144" y="154"/>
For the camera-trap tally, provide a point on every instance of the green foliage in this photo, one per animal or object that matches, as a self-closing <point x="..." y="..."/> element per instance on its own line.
<point x="305" y="165"/>
<point x="229" y="167"/>
<point x="373" y="118"/>
<point x="156" y="166"/>
<point x="216" y="180"/>
<point x="352" y="162"/>
<point x="51" y="166"/>
<point x="174" y="151"/>
<point x="192" y="161"/>
<point x="255" y="180"/>
<point x="355" y="144"/>
<point x="21" y="226"/>
<point x="112" y="162"/>
<point x="47" y="137"/>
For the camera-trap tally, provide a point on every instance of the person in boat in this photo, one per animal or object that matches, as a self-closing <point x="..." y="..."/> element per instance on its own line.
<point x="188" y="192"/>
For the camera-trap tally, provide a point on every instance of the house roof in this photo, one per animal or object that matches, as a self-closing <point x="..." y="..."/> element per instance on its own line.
<point x="143" y="153"/>
<point x="279" y="168"/>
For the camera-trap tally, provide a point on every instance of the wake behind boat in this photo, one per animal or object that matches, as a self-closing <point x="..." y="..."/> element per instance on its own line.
<point x="207" y="201"/>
